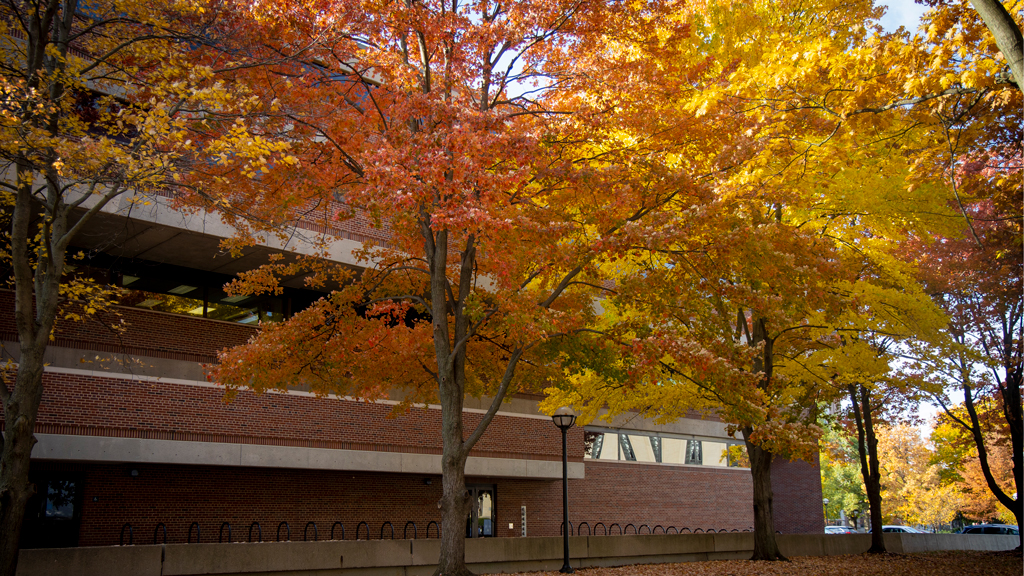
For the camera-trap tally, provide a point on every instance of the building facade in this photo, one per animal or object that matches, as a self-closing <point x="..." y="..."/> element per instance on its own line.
<point x="135" y="445"/>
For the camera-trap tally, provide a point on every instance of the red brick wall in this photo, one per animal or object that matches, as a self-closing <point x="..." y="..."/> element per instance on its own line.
<point x="797" y="489"/>
<point x="180" y="495"/>
<point x="78" y="404"/>
<point x="147" y="333"/>
<point x="631" y="493"/>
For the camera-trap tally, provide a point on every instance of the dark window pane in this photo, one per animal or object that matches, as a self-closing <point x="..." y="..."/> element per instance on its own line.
<point x="627" y="448"/>
<point x="693" y="452"/>
<point x="60" y="499"/>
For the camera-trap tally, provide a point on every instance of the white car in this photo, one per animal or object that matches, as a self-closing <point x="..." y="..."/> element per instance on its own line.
<point x="904" y="529"/>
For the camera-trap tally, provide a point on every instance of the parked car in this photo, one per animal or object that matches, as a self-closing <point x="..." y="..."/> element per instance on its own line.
<point x="903" y="529"/>
<point x="839" y="530"/>
<point x="991" y="529"/>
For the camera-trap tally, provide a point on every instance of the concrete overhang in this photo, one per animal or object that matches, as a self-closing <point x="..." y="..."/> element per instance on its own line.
<point x="108" y="450"/>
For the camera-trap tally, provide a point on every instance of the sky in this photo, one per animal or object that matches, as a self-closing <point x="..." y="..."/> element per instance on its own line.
<point x="901" y="13"/>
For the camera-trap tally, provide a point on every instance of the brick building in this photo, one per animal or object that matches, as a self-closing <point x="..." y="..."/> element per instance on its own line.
<point x="134" y="442"/>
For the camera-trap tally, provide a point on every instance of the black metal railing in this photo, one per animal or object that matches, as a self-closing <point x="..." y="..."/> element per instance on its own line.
<point x="259" y="531"/>
<point x="363" y="531"/>
<point x="131" y="535"/>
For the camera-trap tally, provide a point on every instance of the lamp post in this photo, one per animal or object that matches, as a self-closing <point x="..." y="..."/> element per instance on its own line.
<point x="825" y="502"/>
<point x="564" y="418"/>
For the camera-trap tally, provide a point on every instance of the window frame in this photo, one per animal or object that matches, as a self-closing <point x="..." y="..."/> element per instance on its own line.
<point x="625" y="433"/>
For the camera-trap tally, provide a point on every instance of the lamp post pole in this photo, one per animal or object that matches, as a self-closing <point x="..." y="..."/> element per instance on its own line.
<point x="825" y="502"/>
<point x="564" y="419"/>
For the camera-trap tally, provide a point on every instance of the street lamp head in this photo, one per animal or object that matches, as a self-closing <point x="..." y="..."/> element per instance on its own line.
<point x="564" y="417"/>
<point x="825" y="501"/>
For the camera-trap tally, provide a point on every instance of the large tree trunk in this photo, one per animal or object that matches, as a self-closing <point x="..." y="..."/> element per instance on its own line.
<point x="1007" y="36"/>
<point x="765" y="545"/>
<point x="15" y="489"/>
<point x="867" y="447"/>
<point x="455" y="503"/>
<point x="37" y="293"/>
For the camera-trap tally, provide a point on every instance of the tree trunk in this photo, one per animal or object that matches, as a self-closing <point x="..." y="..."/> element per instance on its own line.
<point x="867" y="447"/>
<point x="15" y="489"/>
<point x="1014" y="415"/>
<point x="1013" y="504"/>
<point x="455" y="503"/>
<point x="765" y="545"/>
<point x="1007" y="36"/>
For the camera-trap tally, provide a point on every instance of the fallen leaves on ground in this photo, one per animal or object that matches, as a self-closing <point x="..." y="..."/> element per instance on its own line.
<point x="930" y="564"/>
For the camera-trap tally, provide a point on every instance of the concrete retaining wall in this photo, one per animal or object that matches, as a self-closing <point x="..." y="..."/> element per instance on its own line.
<point x="418" y="557"/>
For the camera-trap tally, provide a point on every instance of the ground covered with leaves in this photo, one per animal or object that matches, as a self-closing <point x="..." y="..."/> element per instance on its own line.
<point x="930" y="564"/>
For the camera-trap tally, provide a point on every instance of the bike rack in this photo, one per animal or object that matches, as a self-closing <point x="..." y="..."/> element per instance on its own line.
<point x="698" y="530"/>
<point x="367" y="530"/>
<point x="435" y="525"/>
<point x="288" y="534"/>
<point x="642" y="526"/>
<point x="199" y="533"/>
<point x="157" y="530"/>
<point x="672" y="528"/>
<point x="655" y="529"/>
<point x="220" y="538"/>
<point x="335" y="525"/>
<point x="316" y="534"/>
<point x="405" y="532"/>
<point x="389" y="524"/>
<point x="579" y="529"/>
<point x="259" y="531"/>
<point x="131" y="535"/>
<point x="687" y="529"/>
<point x="601" y="524"/>
<point x="561" y="529"/>
<point x="634" y="528"/>
<point x="615" y="524"/>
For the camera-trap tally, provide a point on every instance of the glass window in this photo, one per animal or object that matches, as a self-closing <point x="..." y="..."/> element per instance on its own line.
<point x="738" y="456"/>
<point x="673" y="451"/>
<point x="626" y="448"/>
<point x="664" y="449"/>
<point x="609" y="447"/>
<point x="480" y="523"/>
<point x="643" y="448"/>
<point x="693" y="452"/>
<point x="60" y="499"/>
<point x="715" y="454"/>
<point x="485" y="514"/>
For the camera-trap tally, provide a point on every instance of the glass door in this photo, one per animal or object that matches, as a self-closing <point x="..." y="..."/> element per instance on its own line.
<point x="53" y="515"/>
<point x="481" y="521"/>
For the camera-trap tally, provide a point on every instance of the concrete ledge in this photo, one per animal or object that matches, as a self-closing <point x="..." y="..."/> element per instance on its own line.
<point x="106" y="560"/>
<point x="75" y="448"/>
<point x="419" y="557"/>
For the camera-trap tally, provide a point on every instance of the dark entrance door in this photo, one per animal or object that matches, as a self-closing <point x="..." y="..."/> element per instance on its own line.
<point x="53" y="515"/>
<point x="481" y="521"/>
